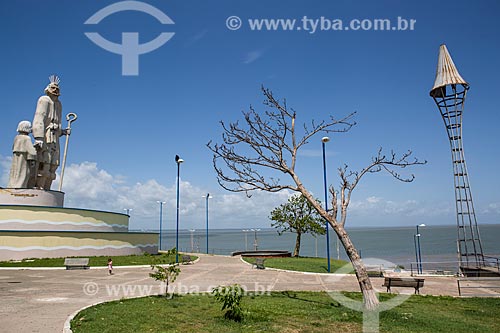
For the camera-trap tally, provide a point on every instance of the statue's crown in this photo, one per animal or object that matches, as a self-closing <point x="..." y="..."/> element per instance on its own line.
<point x="54" y="79"/>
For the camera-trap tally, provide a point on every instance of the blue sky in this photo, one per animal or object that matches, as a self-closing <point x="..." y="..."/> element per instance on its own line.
<point x="130" y="128"/>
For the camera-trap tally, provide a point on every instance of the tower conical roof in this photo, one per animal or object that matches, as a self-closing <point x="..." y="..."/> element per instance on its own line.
<point x="446" y="72"/>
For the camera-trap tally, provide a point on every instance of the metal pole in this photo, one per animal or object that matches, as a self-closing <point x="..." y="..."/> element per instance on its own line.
<point x="419" y="252"/>
<point x="323" y="141"/>
<point x="246" y="238"/>
<point x="316" y="245"/>
<point x="177" y="217"/>
<point x="161" y="221"/>
<point x="208" y="195"/>
<point x="416" y="250"/>
<point x="70" y="117"/>
<point x="192" y="241"/>
<point x="338" y="248"/>
<point x="178" y="160"/>
<point x="255" y="242"/>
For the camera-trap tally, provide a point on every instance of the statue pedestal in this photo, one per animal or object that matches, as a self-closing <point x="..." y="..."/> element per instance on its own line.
<point x="34" y="224"/>
<point x="31" y="197"/>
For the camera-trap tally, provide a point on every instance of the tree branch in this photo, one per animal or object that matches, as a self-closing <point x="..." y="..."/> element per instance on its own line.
<point x="250" y="151"/>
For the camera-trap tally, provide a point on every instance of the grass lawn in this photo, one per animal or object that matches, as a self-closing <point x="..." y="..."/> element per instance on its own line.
<point x="302" y="264"/>
<point x="145" y="259"/>
<point x="287" y="312"/>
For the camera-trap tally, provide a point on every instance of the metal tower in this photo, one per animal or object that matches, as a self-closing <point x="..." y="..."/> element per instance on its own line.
<point x="449" y="93"/>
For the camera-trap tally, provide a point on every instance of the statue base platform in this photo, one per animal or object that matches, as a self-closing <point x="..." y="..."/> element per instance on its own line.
<point x="31" y="196"/>
<point x="31" y="231"/>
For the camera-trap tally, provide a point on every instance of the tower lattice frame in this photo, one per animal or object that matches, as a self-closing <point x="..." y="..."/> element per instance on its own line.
<point x="450" y="101"/>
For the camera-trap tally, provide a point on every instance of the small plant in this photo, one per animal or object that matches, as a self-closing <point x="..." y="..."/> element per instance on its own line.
<point x="167" y="274"/>
<point x="163" y="258"/>
<point x="171" y="251"/>
<point x="230" y="297"/>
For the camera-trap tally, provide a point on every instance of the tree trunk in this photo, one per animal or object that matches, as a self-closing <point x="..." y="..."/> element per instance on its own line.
<point x="297" y="245"/>
<point x="369" y="296"/>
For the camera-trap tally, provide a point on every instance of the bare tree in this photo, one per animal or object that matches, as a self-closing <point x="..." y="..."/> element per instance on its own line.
<point x="252" y="153"/>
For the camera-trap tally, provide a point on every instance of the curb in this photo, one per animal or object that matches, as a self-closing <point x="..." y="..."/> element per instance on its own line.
<point x="67" y="323"/>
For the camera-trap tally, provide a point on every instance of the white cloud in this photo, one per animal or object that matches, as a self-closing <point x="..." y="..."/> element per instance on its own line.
<point x="373" y="200"/>
<point x="492" y="208"/>
<point x="197" y="37"/>
<point x="5" y="169"/>
<point x="380" y="207"/>
<point x="252" y="56"/>
<point x="89" y="187"/>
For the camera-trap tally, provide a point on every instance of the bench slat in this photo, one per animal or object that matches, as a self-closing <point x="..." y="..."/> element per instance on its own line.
<point x="74" y="263"/>
<point x="403" y="282"/>
<point x="259" y="263"/>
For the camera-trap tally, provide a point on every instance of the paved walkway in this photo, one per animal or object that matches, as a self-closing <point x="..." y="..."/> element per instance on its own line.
<point x="41" y="300"/>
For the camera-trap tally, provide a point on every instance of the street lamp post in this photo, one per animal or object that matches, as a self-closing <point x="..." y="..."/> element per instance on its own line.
<point x="161" y="220"/>
<point x="206" y="205"/>
<point x="246" y="238"/>
<point x="419" y="252"/>
<point x="316" y="245"/>
<point x="178" y="160"/>
<point x="323" y="141"/>
<point x="416" y="252"/>
<point x="192" y="242"/>
<point x="255" y="242"/>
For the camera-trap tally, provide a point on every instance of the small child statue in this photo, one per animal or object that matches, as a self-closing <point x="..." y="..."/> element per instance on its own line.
<point x="24" y="157"/>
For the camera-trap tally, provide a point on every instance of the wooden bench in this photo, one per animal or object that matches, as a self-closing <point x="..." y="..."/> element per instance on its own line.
<point x="259" y="263"/>
<point x="374" y="271"/>
<point x="403" y="282"/>
<point x="76" y="263"/>
<point x="186" y="259"/>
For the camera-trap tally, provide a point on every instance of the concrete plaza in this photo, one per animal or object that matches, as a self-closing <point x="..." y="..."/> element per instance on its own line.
<point x="41" y="300"/>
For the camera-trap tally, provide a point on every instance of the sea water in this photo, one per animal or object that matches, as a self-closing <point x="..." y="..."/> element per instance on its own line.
<point x="394" y="244"/>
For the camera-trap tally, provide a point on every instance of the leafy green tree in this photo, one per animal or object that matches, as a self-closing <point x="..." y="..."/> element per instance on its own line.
<point x="166" y="274"/>
<point x="297" y="216"/>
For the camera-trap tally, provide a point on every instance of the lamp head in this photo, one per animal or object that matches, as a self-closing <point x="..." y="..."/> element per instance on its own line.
<point x="325" y="139"/>
<point x="178" y="160"/>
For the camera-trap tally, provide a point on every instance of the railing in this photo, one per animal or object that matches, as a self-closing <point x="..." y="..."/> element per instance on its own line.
<point x="434" y="268"/>
<point x="490" y="261"/>
<point x="449" y="267"/>
<point x="470" y="286"/>
<point x="211" y="250"/>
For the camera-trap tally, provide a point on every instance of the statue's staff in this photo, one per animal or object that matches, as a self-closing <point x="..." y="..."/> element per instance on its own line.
<point x="70" y="117"/>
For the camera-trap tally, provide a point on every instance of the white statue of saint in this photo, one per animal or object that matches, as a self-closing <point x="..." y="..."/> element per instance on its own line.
<point x="24" y="157"/>
<point x="47" y="128"/>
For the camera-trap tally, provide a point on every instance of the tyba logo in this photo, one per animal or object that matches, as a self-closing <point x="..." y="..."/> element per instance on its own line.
<point x="130" y="49"/>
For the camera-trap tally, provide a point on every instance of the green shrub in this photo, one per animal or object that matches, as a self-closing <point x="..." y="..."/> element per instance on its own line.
<point x="230" y="297"/>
